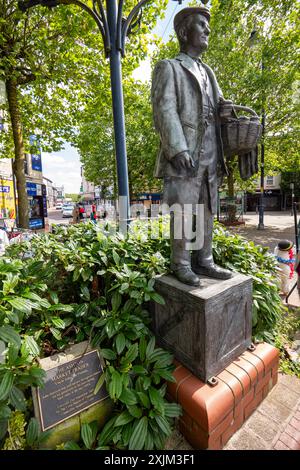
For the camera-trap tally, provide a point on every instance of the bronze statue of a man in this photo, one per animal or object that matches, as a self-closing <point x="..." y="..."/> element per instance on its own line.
<point x="185" y="97"/>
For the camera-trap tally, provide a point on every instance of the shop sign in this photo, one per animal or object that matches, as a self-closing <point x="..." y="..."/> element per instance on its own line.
<point x="31" y="189"/>
<point x="7" y="198"/>
<point x="35" y="224"/>
<point x="36" y="161"/>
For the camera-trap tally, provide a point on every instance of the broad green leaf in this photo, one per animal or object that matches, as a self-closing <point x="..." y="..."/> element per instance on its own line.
<point x="120" y="342"/>
<point x="99" y="384"/>
<point x="150" y="347"/>
<point x="144" y="399"/>
<point x="128" y="397"/>
<point x="172" y="410"/>
<point x="124" y="418"/>
<point x="38" y="374"/>
<point x="61" y="308"/>
<point x="142" y="348"/>
<point x="3" y="425"/>
<point x="146" y="383"/>
<point x="81" y="310"/>
<point x="32" y="432"/>
<point x="132" y="352"/>
<point x="58" y="322"/>
<point x="157" y="298"/>
<point x="139" y="433"/>
<point x="5" y="412"/>
<point x="108" y="354"/>
<point x="85" y="293"/>
<point x="163" y="425"/>
<point x="71" y="445"/>
<point x="13" y="353"/>
<point x="88" y="434"/>
<point x="116" y="301"/>
<point x="139" y="370"/>
<point x="149" y="445"/>
<point x="17" y="399"/>
<point x="107" y="432"/>
<point x="165" y="374"/>
<point x="156" y="399"/>
<point x="31" y="346"/>
<point x="23" y="305"/>
<point x="135" y="410"/>
<point x="54" y="297"/>
<point x="10" y="283"/>
<point x="115" y="385"/>
<point x="56" y="333"/>
<point x="159" y="354"/>
<point x="127" y="432"/>
<point x="116" y="257"/>
<point x="42" y="302"/>
<point x="6" y="384"/>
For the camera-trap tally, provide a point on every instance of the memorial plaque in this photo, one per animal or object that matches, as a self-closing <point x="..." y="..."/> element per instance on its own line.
<point x="69" y="389"/>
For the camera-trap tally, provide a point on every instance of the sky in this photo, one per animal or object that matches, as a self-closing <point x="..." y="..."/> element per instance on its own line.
<point x="63" y="167"/>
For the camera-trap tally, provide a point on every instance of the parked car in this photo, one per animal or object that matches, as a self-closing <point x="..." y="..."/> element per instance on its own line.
<point x="67" y="210"/>
<point x="59" y="206"/>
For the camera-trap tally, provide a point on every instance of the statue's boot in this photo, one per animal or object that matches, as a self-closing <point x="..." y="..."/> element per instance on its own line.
<point x="186" y="275"/>
<point x="213" y="270"/>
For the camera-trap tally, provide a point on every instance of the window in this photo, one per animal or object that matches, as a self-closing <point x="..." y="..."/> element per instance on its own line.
<point x="270" y="180"/>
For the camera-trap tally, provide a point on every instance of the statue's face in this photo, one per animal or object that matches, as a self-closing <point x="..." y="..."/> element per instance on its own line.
<point x="197" y="33"/>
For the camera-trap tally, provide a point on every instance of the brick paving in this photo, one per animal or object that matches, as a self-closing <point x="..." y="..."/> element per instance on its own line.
<point x="275" y="425"/>
<point x="289" y="439"/>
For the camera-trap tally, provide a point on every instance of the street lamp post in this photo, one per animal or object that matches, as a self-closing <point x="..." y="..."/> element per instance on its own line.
<point x="114" y="29"/>
<point x="251" y="41"/>
<point x="262" y="169"/>
<point x="292" y="186"/>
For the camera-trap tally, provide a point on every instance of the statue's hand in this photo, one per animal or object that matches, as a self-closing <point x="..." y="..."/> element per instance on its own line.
<point x="183" y="161"/>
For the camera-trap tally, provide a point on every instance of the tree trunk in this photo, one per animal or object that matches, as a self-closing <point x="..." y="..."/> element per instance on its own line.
<point x="18" y="165"/>
<point x="230" y="186"/>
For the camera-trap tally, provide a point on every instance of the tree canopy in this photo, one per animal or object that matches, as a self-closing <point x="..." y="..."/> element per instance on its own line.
<point x="52" y="62"/>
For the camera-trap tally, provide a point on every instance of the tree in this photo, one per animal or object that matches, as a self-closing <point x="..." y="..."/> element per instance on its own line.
<point x="238" y="68"/>
<point x="52" y="61"/>
<point x="95" y="137"/>
<point x="262" y="76"/>
<point x="95" y="141"/>
<point x="43" y="64"/>
<point x="74" y="197"/>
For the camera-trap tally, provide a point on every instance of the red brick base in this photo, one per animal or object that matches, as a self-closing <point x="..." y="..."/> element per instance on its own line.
<point x="211" y="415"/>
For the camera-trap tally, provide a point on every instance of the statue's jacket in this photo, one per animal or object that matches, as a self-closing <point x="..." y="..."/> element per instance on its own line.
<point x="178" y="114"/>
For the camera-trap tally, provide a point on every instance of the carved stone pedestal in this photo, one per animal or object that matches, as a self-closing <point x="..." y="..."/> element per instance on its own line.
<point x="204" y="327"/>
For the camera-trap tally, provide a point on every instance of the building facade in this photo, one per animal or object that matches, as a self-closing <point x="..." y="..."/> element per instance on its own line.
<point x="273" y="195"/>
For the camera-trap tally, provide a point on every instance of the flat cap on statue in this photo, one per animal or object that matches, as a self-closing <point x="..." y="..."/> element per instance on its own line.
<point x="185" y="12"/>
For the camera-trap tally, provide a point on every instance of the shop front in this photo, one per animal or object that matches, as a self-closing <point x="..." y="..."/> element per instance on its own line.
<point x="37" y="201"/>
<point x="7" y="199"/>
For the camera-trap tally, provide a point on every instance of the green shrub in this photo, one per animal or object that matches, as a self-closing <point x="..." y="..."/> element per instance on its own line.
<point x="83" y="283"/>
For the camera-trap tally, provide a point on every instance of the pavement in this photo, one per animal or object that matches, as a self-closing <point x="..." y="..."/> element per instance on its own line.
<point x="275" y="424"/>
<point x="278" y="226"/>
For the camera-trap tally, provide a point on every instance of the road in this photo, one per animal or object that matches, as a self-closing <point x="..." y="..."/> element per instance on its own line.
<point x="55" y="217"/>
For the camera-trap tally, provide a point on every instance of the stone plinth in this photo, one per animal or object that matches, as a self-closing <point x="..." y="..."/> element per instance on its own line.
<point x="211" y="415"/>
<point x="204" y="327"/>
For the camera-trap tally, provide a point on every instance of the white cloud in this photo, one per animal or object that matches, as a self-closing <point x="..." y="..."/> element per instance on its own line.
<point x="143" y="72"/>
<point x="63" y="168"/>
